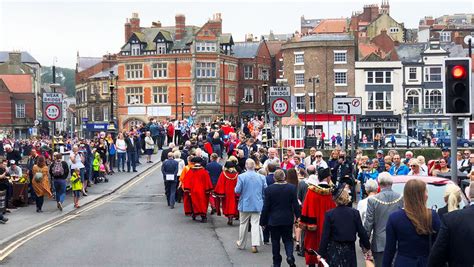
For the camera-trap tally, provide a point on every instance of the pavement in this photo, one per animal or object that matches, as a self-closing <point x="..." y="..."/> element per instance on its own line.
<point x="25" y="219"/>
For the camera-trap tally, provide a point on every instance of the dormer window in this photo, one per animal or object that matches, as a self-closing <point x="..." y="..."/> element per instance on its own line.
<point x="161" y="48"/>
<point x="205" y="47"/>
<point x="135" y="49"/>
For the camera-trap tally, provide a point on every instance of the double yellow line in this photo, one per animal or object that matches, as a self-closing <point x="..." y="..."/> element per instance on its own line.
<point x="22" y="240"/>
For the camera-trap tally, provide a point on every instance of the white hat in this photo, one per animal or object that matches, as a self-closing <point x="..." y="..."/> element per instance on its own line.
<point x="312" y="180"/>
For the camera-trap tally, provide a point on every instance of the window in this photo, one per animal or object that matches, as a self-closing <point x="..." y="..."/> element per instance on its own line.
<point x="412" y="74"/>
<point x="340" y="57"/>
<point x="105" y="88"/>
<point x="300" y="103"/>
<point x="161" y="48"/>
<point x="92" y="88"/>
<point x="20" y="110"/>
<point x="340" y="78"/>
<point x="432" y="99"/>
<point x="432" y="74"/>
<point x="160" y="94"/>
<point x="206" y="47"/>
<point x="445" y="37"/>
<point x="263" y="74"/>
<point x="134" y="71"/>
<point x="231" y="69"/>
<point x="394" y="29"/>
<point x="299" y="59"/>
<point x="248" y="72"/>
<point x="299" y="79"/>
<point x="312" y="102"/>
<point x="379" y="77"/>
<point x="248" y="95"/>
<point x="413" y="99"/>
<point x="134" y="95"/>
<point x="160" y="70"/>
<point x="379" y="101"/>
<point x="206" y="94"/>
<point x="231" y="97"/>
<point x="135" y="49"/>
<point x="92" y="114"/>
<point x="205" y="69"/>
<point x="105" y="112"/>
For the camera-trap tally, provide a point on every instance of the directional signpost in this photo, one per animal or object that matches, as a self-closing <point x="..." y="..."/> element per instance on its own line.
<point x="347" y="106"/>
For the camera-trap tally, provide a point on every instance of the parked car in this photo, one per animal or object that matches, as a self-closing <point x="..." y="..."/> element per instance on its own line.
<point x="435" y="185"/>
<point x="446" y="142"/>
<point x="401" y="141"/>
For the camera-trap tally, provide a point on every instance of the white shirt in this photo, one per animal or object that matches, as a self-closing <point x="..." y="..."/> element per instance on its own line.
<point x="180" y="166"/>
<point x="362" y="207"/>
<point x="76" y="161"/>
<point x="121" y="146"/>
<point x="422" y="173"/>
<point x="321" y="164"/>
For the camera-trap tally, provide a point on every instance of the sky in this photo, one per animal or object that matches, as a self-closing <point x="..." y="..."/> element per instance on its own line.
<point x="54" y="31"/>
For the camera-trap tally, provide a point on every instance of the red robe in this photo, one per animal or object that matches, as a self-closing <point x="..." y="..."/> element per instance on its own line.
<point x="318" y="200"/>
<point x="197" y="186"/>
<point x="225" y="190"/>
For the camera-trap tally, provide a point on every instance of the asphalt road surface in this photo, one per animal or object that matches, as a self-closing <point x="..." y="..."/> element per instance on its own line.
<point x="138" y="229"/>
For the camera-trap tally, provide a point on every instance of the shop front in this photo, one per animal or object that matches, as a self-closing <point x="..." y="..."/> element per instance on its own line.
<point x="91" y="129"/>
<point x="371" y="125"/>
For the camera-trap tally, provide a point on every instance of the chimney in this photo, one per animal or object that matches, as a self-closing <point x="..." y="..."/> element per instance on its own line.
<point x="249" y="37"/>
<point x="128" y="30"/>
<point x="156" y="24"/>
<point x="180" y="20"/>
<point x="135" y="22"/>
<point x="14" y="58"/>
<point x="215" y="25"/>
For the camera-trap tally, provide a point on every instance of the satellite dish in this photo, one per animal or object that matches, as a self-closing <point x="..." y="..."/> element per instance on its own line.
<point x="467" y="38"/>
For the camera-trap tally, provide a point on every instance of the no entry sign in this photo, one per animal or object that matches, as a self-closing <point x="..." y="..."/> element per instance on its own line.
<point x="52" y="112"/>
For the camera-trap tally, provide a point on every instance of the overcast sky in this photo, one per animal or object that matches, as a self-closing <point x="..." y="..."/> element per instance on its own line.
<point x="58" y="29"/>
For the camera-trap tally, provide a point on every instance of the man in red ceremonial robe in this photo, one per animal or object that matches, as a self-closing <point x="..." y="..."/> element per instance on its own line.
<point x="197" y="186"/>
<point x="225" y="190"/>
<point x="318" y="200"/>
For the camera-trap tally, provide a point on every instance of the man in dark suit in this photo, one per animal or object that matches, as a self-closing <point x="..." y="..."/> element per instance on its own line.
<point x="164" y="154"/>
<point x="271" y="168"/>
<point x="214" y="169"/>
<point x="279" y="214"/>
<point x="456" y="238"/>
<point x="131" y="143"/>
<point x="170" y="172"/>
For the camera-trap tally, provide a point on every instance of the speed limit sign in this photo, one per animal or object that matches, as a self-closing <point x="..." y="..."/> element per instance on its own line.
<point x="52" y="112"/>
<point x="280" y="106"/>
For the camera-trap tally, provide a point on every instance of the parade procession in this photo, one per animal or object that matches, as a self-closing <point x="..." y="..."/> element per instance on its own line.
<point x="275" y="139"/>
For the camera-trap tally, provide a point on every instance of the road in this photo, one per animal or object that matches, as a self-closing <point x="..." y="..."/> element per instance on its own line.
<point x="135" y="227"/>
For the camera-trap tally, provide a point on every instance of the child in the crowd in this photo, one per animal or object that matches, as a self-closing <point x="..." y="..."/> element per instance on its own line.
<point x="102" y="173"/>
<point x="96" y="167"/>
<point x="76" y="185"/>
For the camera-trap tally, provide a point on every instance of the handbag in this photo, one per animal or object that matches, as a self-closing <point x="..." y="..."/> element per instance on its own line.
<point x="38" y="177"/>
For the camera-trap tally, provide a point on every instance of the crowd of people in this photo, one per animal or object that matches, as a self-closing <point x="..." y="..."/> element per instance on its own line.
<point x="314" y="206"/>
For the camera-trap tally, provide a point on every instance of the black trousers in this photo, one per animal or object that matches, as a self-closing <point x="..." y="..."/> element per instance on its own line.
<point x="39" y="202"/>
<point x="283" y="232"/>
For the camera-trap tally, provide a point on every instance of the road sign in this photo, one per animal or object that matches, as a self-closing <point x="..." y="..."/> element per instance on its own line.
<point x="280" y="107"/>
<point x="52" y="98"/>
<point x="347" y="105"/>
<point x="36" y="122"/>
<point x="467" y="38"/>
<point x="52" y="112"/>
<point x="193" y="113"/>
<point x="280" y="91"/>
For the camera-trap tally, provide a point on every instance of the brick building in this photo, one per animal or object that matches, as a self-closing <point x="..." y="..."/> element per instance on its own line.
<point x="17" y="104"/>
<point x="254" y="70"/>
<point x="447" y="28"/>
<point x="332" y="58"/>
<point x="166" y="71"/>
<point x="93" y="94"/>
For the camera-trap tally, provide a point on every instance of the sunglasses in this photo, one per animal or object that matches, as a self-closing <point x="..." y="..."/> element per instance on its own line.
<point x="413" y="165"/>
<point x="318" y="156"/>
<point x="285" y="158"/>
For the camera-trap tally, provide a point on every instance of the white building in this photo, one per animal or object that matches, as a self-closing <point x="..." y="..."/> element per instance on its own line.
<point x="380" y="84"/>
<point x="68" y="116"/>
<point x="423" y="87"/>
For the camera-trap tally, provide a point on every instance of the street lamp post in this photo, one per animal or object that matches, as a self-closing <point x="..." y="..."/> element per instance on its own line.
<point x="265" y="93"/>
<point x="314" y="80"/>
<point x="182" y="106"/>
<point x="112" y="78"/>
<point x="407" y="109"/>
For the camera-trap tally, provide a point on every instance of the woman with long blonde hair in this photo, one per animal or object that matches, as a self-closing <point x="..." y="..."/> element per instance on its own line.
<point x="452" y="197"/>
<point x="410" y="232"/>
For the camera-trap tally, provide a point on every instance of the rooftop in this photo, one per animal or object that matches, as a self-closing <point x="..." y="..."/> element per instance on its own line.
<point x="25" y="57"/>
<point x="331" y="26"/>
<point x="84" y="63"/>
<point x="18" y="83"/>
<point x="327" y="37"/>
<point x="246" y="49"/>
<point x="105" y="73"/>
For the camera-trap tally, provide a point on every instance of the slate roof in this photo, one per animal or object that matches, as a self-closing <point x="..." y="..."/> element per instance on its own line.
<point x="25" y="57"/>
<point x="105" y="73"/>
<point x="84" y="63"/>
<point x="278" y="36"/>
<point x="309" y="22"/>
<point x="246" y="49"/>
<point x="411" y="53"/>
<point x="327" y="37"/>
<point x="274" y="47"/>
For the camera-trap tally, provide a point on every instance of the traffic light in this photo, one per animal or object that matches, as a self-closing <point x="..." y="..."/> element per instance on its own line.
<point x="457" y="89"/>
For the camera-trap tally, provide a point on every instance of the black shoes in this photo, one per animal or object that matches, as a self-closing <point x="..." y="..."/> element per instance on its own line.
<point x="4" y="220"/>
<point x="291" y="261"/>
<point x="204" y="219"/>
